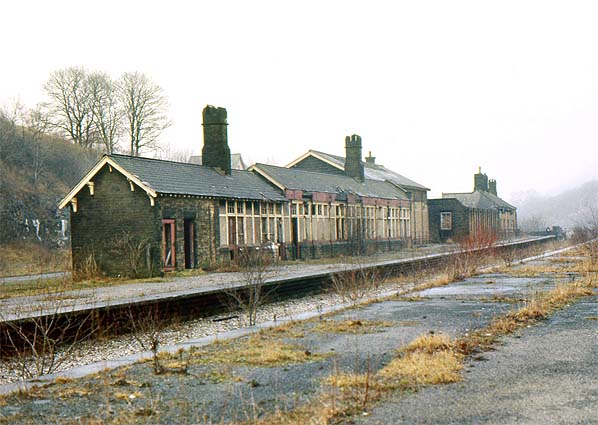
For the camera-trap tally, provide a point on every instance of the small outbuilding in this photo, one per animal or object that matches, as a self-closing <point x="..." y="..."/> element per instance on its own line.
<point x="480" y="214"/>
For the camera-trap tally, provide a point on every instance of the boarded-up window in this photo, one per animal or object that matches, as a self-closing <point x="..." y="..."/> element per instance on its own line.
<point x="232" y="231"/>
<point x="264" y="229"/>
<point x="446" y="221"/>
<point x="240" y="231"/>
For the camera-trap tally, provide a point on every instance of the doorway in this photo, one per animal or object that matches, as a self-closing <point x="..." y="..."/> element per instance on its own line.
<point x="295" y="237"/>
<point x="188" y="239"/>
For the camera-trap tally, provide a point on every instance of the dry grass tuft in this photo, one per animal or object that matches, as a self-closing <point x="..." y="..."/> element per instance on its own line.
<point x="430" y="344"/>
<point x="23" y="258"/>
<point x="258" y="350"/>
<point x="440" y="280"/>
<point x="348" y="380"/>
<point x="351" y="326"/>
<point x="536" y="270"/>
<point x="291" y="329"/>
<point x="73" y="391"/>
<point x="63" y="380"/>
<point x="424" y="368"/>
<point x="127" y="396"/>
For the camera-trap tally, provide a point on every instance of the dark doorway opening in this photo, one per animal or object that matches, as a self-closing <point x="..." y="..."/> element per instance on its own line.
<point x="189" y="237"/>
<point x="295" y="237"/>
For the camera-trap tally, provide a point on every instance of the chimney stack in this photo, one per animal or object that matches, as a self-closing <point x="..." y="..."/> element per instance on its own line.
<point x="353" y="162"/>
<point x="480" y="181"/>
<point x="215" y="152"/>
<point x="370" y="159"/>
<point x="492" y="187"/>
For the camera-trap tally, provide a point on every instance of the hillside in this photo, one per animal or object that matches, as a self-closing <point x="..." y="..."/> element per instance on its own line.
<point x="35" y="172"/>
<point x="567" y="209"/>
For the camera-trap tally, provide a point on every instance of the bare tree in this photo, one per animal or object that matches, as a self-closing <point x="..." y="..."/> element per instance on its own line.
<point x="256" y="267"/>
<point x="44" y="339"/>
<point x="144" y="109"/>
<point x="107" y="112"/>
<point x="134" y="251"/>
<point x="173" y="154"/>
<point x="37" y="121"/>
<point x="356" y="282"/>
<point x="38" y="161"/>
<point x="13" y="112"/>
<point x="71" y="104"/>
<point x="586" y="221"/>
<point x="148" y="326"/>
<point x="10" y="118"/>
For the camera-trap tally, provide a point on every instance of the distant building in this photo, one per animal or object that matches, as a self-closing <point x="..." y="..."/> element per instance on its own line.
<point x="460" y="215"/>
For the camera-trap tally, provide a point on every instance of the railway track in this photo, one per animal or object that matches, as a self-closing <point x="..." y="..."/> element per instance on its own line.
<point x="112" y="319"/>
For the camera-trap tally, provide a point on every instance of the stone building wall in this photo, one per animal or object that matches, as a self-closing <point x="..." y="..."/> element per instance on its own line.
<point x="203" y="215"/>
<point x="104" y="220"/>
<point x="459" y="220"/>
<point x="115" y="212"/>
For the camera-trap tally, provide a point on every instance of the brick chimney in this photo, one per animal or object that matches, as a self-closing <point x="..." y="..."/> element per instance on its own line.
<point x="353" y="162"/>
<point x="370" y="159"/>
<point x="480" y="181"/>
<point x="215" y="152"/>
<point x="492" y="187"/>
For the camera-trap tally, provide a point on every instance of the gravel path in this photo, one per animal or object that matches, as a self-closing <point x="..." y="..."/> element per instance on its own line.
<point x="547" y="374"/>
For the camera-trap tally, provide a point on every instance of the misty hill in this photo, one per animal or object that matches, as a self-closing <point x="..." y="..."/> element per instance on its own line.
<point x="566" y="209"/>
<point x="36" y="171"/>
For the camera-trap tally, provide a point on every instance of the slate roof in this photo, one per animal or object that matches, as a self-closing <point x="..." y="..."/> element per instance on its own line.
<point x="190" y="179"/>
<point x="480" y="200"/>
<point x="236" y="161"/>
<point x="311" y="181"/>
<point x="376" y="172"/>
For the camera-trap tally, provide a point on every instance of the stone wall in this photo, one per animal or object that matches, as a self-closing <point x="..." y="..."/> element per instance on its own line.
<point x="103" y="221"/>
<point x="115" y="213"/>
<point x="203" y="214"/>
<point x="460" y="219"/>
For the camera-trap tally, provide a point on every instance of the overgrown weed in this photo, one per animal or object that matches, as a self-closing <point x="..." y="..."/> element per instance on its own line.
<point x="351" y="326"/>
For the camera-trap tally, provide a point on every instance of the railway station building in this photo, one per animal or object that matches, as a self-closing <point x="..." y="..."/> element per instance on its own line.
<point x="142" y="216"/>
<point x="418" y="231"/>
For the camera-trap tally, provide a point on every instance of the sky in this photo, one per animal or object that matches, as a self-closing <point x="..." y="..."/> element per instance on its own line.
<point x="434" y="88"/>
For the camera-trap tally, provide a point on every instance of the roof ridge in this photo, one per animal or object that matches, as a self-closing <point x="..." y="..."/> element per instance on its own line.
<point x="299" y="170"/>
<point x="166" y="161"/>
<point x="155" y="159"/>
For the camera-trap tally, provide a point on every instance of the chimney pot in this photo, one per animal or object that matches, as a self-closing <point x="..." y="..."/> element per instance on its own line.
<point x="480" y="181"/>
<point x="370" y="159"/>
